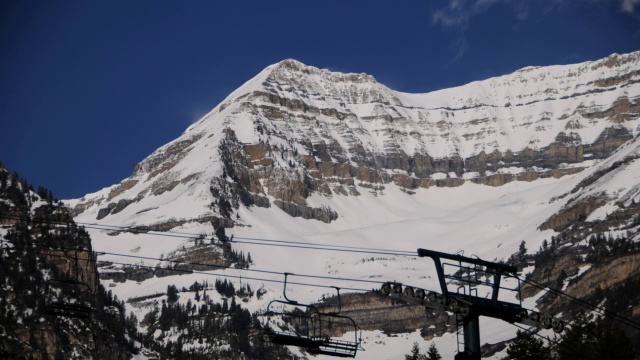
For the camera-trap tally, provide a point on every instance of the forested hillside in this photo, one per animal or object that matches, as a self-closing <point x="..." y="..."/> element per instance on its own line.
<point x="52" y="305"/>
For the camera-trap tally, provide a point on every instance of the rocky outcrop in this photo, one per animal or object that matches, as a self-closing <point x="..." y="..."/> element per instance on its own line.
<point x="372" y="311"/>
<point x="258" y="176"/>
<point x="353" y="88"/>
<point x="306" y="212"/>
<point x="608" y="141"/>
<point x="113" y="208"/>
<point x="605" y="275"/>
<point x="602" y="172"/>
<point x="55" y="305"/>
<point x="623" y="109"/>
<point x="576" y="211"/>
<point x="590" y="263"/>
<point x="162" y="161"/>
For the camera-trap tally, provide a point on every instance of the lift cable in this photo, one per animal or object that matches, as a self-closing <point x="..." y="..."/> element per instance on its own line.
<point x="265" y="280"/>
<point x="212" y="274"/>
<point x="315" y="246"/>
<point x="242" y="240"/>
<point x="245" y="277"/>
<point x="220" y="267"/>
<point x="323" y="248"/>
<point x="240" y="269"/>
<point x="575" y="300"/>
<point x="555" y="342"/>
<point x="192" y="235"/>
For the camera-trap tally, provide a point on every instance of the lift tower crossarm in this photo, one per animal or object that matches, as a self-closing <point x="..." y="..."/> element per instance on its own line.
<point x="497" y="267"/>
<point x="504" y="267"/>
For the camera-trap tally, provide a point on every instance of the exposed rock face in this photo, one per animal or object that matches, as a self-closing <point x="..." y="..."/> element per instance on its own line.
<point x="113" y="208"/>
<point x="575" y="212"/>
<point x="606" y="275"/>
<point x="372" y="311"/>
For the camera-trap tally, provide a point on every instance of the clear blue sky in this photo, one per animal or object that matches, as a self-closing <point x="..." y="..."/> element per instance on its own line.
<point x="90" y="88"/>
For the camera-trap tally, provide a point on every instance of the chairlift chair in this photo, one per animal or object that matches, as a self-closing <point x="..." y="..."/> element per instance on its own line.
<point x="69" y="298"/>
<point x="308" y="328"/>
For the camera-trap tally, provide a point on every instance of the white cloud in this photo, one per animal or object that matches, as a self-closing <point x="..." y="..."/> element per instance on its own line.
<point x="629" y="6"/>
<point x="456" y="16"/>
<point x="458" y="13"/>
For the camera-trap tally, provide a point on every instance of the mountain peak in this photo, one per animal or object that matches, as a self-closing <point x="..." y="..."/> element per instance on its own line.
<point x="292" y="69"/>
<point x="293" y="78"/>
<point x="292" y="64"/>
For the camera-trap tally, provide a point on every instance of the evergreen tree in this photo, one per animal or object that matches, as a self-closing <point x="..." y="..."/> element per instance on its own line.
<point x="526" y="347"/>
<point x="221" y="234"/>
<point x="589" y="339"/>
<point x="432" y="353"/>
<point x="522" y="250"/>
<point x="172" y="294"/>
<point x="415" y="353"/>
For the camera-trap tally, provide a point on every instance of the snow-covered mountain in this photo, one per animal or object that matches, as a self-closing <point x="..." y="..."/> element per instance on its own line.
<point x="306" y="155"/>
<point x="296" y="130"/>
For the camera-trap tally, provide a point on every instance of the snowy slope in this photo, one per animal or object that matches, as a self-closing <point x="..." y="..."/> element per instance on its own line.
<point x="290" y="105"/>
<point x="487" y="222"/>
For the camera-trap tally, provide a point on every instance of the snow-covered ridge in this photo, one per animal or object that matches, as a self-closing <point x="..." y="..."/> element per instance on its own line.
<point x="293" y="106"/>
<point x="527" y="108"/>
<point x="532" y="84"/>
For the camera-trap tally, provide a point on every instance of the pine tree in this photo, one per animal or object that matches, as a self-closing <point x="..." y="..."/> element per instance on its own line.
<point x="221" y="234"/>
<point x="526" y="347"/>
<point x="415" y="353"/>
<point x="432" y="353"/>
<point x="522" y="250"/>
<point x="172" y="294"/>
<point x="589" y="339"/>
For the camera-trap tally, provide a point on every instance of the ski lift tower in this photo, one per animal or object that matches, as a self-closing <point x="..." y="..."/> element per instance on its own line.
<point x="477" y="286"/>
<point x="469" y="274"/>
